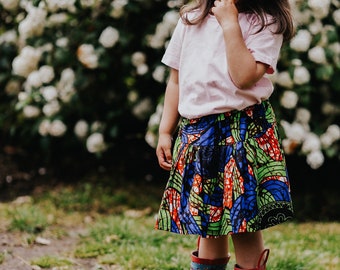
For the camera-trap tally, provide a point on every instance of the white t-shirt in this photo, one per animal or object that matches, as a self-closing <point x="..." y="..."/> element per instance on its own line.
<point x="198" y="53"/>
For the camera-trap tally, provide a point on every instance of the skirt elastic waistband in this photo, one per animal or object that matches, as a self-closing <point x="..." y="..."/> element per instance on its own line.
<point x="230" y="126"/>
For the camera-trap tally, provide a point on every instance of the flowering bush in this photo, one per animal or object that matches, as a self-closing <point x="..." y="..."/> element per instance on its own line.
<point x="76" y="72"/>
<point x="307" y="95"/>
<point x="308" y="82"/>
<point x="87" y="73"/>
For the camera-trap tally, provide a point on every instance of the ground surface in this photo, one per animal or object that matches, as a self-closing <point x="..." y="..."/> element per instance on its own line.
<point x="18" y="255"/>
<point x="20" y="183"/>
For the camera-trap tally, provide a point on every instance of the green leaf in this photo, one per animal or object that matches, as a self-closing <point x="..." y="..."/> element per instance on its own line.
<point x="324" y="73"/>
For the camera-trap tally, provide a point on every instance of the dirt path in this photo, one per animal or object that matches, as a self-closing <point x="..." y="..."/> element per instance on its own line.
<point x="19" y="255"/>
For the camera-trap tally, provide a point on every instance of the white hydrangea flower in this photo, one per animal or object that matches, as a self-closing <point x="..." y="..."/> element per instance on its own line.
<point x="51" y="108"/>
<point x="118" y="4"/>
<point x="46" y="73"/>
<point x="289" y="145"/>
<point x="301" y="75"/>
<point x="66" y="94"/>
<point x="55" y="5"/>
<point x="336" y="16"/>
<point x="117" y="8"/>
<point x="311" y="143"/>
<point x="320" y="8"/>
<point x="331" y="135"/>
<point x="44" y="127"/>
<point x="296" y="62"/>
<point x="143" y="108"/>
<point x="155" y="118"/>
<point x="326" y="140"/>
<point x="142" y="69"/>
<point x="65" y="86"/>
<point x="26" y="61"/>
<point x="283" y="79"/>
<point x="151" y="139"/>
<point x="163" y="30"/>
<point x="171" y="17"/>
<point x="87" y="56"/>
<point x="303" y="115"/>
<point x="302" y="40"/>
<point x="294" y="131"/>
<point x="334" y="131"/>
<point x="298" y="132"/>
<point x="289" y="99"/>
<point x="159" y="108"/>
<point x="23" y="96"/>
<point x="132" y="96"/>
<point x="159" y="73"/>
<point x="317" y="55"/>
<point x="9" y="36"/>
<point x="46" y="48"/>
<point x="89" y="3"/>
<point x="335" y="48"/>
<point x="57" y="19"/>
<point x="49" y="93"/>
<point x="315" y="27"/>
<point x="109" y="37"/>
<point x="175" y="3"/>
<point x="315" y="159"/>
<point x="81" y="129"/>
<point x="95" y="143"/>
<point x="138" y="58"/>
<point x="57" y="128"/>
<point x="68" y="76"/>
<point x="33" y="24"/>
<point x="302" y="17"/>
<point x="10" y="5"/>
<point x="33" y="80"/>
<point x="31" y="111"/>
<point x="62" y="42"/>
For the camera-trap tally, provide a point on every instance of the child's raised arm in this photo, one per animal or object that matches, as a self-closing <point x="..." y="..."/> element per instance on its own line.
<point x="242" y="67"/>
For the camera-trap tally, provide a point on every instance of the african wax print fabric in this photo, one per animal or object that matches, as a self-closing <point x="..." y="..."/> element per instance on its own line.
<point x="228" y="175"/>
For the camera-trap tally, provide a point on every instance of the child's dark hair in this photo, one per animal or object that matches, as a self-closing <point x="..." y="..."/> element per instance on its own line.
<point x="279" y="9"/>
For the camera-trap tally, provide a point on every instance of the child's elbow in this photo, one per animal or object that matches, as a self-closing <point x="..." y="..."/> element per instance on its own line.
<point x="249" y="77"/>
<point x="244" y="84"/>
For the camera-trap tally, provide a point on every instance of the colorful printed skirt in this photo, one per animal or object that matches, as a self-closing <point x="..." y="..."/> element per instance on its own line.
<point x="228" y="176"/>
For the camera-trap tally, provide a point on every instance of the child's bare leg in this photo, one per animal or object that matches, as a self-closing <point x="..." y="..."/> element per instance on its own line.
<point x="248" y="248"/>
<point x="213" y="248"/>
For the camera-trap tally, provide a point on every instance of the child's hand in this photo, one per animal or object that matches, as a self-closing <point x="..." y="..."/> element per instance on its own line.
<point x="225" y="12"/>
<point x="163" y="151"/>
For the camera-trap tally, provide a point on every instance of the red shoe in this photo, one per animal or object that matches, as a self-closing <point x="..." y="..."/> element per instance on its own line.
<point x="261" y="265"/>
<point x="207" y="264"/>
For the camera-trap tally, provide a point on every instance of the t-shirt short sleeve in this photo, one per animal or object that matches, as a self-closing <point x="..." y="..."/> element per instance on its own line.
<point x="172" y="53"/>
<point x="264" y="45"/>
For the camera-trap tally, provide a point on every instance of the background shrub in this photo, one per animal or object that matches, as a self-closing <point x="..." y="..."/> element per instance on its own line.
<point x="84" y="77"/>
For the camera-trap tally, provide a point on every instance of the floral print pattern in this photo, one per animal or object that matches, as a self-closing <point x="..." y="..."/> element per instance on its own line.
<point x="229" y="175"/>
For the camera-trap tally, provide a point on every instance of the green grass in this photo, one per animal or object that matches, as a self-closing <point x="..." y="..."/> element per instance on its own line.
<point x="133" y="244"/>
<point x="49" y="262"/>
<point x="2" y="257"/>
<point x="28" y="218"/>
<point x="119" y="232"/>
